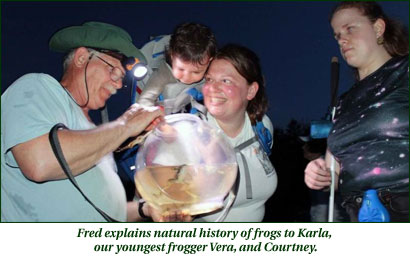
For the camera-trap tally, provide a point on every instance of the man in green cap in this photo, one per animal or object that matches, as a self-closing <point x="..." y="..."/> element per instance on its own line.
<point x="34" y="186"/>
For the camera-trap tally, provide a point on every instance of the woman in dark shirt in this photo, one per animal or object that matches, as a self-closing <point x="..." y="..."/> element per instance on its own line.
<point x="370" y="134"/>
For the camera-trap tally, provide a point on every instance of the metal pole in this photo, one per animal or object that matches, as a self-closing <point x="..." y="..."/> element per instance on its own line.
<point x="334" y="84"/>
<point x="332" y="185"/>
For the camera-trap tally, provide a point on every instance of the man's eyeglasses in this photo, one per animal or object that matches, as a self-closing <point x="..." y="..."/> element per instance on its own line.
<point x="115" y="72"/>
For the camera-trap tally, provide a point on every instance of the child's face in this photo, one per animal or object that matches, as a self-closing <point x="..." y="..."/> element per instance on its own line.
<point x="187" y="72"/>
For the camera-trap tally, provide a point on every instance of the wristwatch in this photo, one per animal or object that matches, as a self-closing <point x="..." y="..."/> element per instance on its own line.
<point x="141" y="203"/>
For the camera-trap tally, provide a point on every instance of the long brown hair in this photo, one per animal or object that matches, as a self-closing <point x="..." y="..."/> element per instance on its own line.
<point x="396" y="35"/>
<point x="246" y="62"/>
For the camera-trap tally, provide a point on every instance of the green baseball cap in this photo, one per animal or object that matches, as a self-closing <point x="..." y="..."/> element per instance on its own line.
<point x="95" y="35"/>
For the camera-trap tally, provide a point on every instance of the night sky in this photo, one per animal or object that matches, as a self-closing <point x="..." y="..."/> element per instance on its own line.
<point x="293" y="40"/>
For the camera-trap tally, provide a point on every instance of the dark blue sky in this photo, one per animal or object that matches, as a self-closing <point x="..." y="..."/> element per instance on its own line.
<point x="293" y="40"/>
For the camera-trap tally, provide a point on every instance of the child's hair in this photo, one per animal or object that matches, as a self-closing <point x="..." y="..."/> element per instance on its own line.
<point x="191" y="42"/>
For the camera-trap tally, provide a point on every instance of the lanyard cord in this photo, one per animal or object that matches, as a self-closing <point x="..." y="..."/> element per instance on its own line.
<point x="55" y="144"/>
<point x="86" y="86"/>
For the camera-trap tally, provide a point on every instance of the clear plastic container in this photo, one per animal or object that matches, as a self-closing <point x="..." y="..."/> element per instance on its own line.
<point x="185" y="165"/>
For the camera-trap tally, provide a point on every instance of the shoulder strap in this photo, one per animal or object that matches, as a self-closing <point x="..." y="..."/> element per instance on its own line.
<point x="238" y="150"/>
<point x="264" y="136"/>
<point x="55" y="145"/>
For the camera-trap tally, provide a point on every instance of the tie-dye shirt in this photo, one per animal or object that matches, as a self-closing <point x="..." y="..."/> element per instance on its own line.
<point x="370" y="135"/>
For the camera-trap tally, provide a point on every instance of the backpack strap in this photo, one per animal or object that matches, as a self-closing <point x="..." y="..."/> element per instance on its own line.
<point x="154" y="50"/>
<point x="238" y="149"/>
<point x="264" y="136"/>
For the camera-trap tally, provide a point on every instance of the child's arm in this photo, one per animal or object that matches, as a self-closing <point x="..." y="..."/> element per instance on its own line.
<point x="155" y="85"/>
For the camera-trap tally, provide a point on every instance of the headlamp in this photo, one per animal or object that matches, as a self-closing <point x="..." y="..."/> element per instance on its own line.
<point x="138" y="69"/>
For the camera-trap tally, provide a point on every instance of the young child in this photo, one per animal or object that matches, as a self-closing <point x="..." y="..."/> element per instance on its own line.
<point x="191" y="48"/>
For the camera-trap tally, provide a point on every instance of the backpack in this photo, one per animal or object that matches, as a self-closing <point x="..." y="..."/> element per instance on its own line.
<point x="154" y="52"/>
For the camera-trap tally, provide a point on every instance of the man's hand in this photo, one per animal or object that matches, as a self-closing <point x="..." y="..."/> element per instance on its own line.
<point x="139" y="118"/>
<point x="168" y="216"/>
<point x="155" y="214"/>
